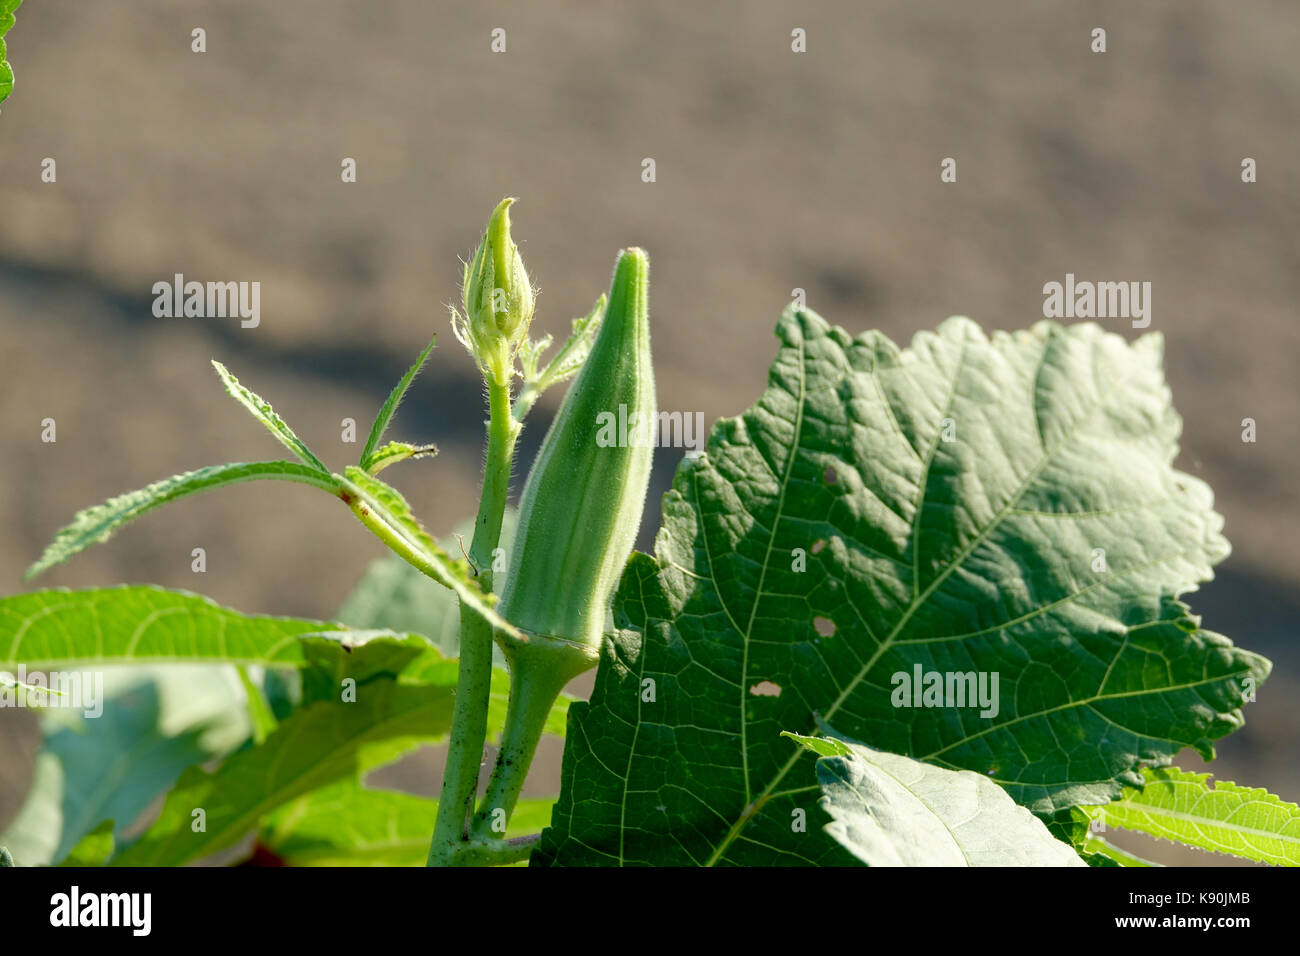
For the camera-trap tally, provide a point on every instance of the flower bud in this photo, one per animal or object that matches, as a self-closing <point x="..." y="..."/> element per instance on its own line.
<point x="497" y="297"/>
<point x="582" y="503"/>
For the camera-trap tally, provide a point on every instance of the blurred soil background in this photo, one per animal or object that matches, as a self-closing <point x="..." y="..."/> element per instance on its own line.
<point x="775" y="170"/>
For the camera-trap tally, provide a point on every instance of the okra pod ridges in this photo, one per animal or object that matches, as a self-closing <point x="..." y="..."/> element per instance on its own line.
<point x="583" y="499"/>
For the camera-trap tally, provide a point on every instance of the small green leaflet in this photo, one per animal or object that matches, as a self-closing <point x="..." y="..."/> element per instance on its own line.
<point x="390" y="407"/>
<point x="264" y="413"/>
<point x="7" y="8"/>
<point x="889" y="810"/>
<point x="971" y="505"/>
<point x="395" y="451"/>
<point x="1222" y="817"/>
<point x="95" y="525"/>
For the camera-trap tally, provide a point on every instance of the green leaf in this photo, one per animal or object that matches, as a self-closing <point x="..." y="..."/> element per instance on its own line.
<point x="97" y="524"/>
<point x="7" y="8"/>
<point x="1075" y="827"/>
<point x="833" y="539"/>
<point x="889" y="810"/>
<point x="347" y="824"/>
<point x="361" y="657"/>
<point x="92" y="768"/>
<point x="396" y="451"/>
<point x="94" y="849"/>
<point x="60" y="629"/>
<point x="317" y="745"/>
<point x="386" y="513"/>
<point x="390" y="407"/>
<point x="1099" y="852"/>
<point x="1222" y="817"/>
<point x="260" y="409"/>
<point x="261" y="719"/>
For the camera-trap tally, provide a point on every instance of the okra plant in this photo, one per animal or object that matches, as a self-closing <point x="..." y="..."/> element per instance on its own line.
<point x="914" y="606"/>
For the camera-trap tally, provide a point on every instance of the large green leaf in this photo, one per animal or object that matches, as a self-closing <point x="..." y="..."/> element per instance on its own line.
<point x="1178" y="805"/>
<point x="155" y="722"/>
<point x="7" y="8"/>
<point x="95" y="525"/>
<point x="59" y="628"/>
<point x="323" y="742"/>
<point x="1003" y="507"/>
<point x="347" y="824"/>
<point x="889" y="810"/>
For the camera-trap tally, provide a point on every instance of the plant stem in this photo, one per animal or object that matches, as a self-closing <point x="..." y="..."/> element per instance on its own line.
<point x="469" y="716"/>
<point x="538" y="672"/>
<point x="497" y="852"/>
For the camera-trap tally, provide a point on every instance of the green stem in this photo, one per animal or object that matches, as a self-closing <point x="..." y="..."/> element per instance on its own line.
<point x="539" y="670"/>
<point x="502" y="432"/>
<point x="469" y="715"/>
<point x="497" y="852"/>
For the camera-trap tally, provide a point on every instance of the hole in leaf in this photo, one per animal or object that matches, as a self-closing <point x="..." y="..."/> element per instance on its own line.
<point x="766" y="688"/>
<point x="825" y="626"/>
